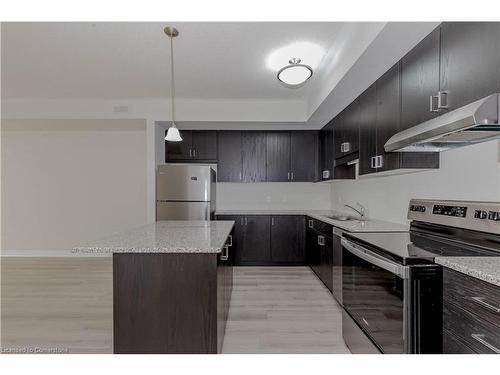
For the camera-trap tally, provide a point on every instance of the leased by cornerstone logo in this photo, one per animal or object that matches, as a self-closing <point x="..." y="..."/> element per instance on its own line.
<point x="33" y="350"/>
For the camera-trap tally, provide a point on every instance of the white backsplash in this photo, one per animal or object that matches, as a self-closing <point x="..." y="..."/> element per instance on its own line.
<point x="467" y="173"/>
<point x="273" y="195"/>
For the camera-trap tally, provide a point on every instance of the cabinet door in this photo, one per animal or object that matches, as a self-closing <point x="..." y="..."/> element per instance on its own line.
<point x="419" y="80"/>
<point x="179" y="150"/>
<point x="256" y="249"/>
<point x="337" y="267"/>
<point x="367" y="129"/>
<point x="304" y="156"/>
<point x="470" y="61"/>
<point x="314" y="251"/>
<point x="229" y="156"/>
<point x="339" y="134"/>
<point x="326" y="261"/>
<point x="326" y="147"/>
<point x="388" y="115"/>
<point x="288" y="239"/>
<point x="238" y="236"/>
<point x="204" y="145"/>
<point x="254" y="156"/>
<point x="278" y="156"/>
<point x="351" y="128"/>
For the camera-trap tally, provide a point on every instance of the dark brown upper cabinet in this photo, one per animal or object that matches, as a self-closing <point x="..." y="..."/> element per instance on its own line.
<point x="196" y="145"/>
<point x="367" y="129"/>
<point x="346" y="131"/>
<point x="229" y="163"/>
<point x="278" y="156"/>
<point x="326" y="150"/>
<point x="204" y="145"/>
<point x="388" y="118"/>
<point x="470" y="61"/>
<point x="253" y="156"/>
<point x="176" y="151"/>
<point x="304" y="156"/>
<point x="420" y="81"/>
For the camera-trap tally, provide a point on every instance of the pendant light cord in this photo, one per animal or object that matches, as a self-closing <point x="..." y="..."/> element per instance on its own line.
<point x="172" y="82"/>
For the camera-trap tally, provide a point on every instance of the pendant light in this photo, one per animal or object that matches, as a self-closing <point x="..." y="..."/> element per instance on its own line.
<point x="172" y="133"/>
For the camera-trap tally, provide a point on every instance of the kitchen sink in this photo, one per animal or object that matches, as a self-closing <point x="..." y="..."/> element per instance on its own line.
<point x="343" y="217"/>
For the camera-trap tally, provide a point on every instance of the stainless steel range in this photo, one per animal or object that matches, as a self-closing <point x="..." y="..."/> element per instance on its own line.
<point x="392" y="289"/>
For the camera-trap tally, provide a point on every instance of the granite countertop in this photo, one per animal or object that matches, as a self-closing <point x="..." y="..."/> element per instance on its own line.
<point x="482" y="268"/>
<point x="370" y="225"/>
<point x="164" y="237"/>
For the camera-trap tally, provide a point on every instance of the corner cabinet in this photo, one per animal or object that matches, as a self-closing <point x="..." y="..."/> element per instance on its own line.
<point x="263" y="240"/>
<point x="196" y="146"/>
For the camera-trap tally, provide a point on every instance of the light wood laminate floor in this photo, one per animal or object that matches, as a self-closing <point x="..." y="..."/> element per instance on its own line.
<point x="282" y="310"/>
<point x="65" y="304"/>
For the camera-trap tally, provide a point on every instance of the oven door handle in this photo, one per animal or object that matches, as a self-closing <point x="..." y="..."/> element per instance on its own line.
<point x="375" y="259"/>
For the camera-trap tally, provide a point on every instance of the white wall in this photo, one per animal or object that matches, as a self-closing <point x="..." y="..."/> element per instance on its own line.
<point x="273" y="195"/>
<point x="68" y="181"/>
<point x="468" y="173"/>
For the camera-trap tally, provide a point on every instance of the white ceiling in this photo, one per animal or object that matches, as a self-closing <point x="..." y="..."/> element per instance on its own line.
<point x="222" y="69"/>
<point x="131" y="60"/>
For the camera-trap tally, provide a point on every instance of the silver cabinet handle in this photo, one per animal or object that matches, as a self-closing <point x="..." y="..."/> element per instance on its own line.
<point x="372" y="162"/>
<point x="480" y="338"/>
<point x="345" y="147"/>
<point x="380" y="161"/>
<point x="225" y="253"/>
<point x="194" y="152"/>
<point x="241" y="178"/>
<point x="246" y="220"/>
<point x="230" y="240"/>
<point x="442" y="100"/>
<point x="481" y="301"/>
<point x="288" y="176"/>
<point x="321" y="240"/>
<point x="272" y="220"/>
<point x="433" y="100"/>
<point x="291" y="175"/>
<point x="310" y="223"/>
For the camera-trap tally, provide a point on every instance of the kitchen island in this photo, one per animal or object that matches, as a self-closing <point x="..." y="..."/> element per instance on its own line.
<point x="172" y="283"/>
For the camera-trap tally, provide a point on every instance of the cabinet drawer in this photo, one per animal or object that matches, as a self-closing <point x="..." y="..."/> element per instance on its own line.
<point x="477" y="333"/>
<point x="476" y="296"/>
<point x="453" y="345"/>
<point x="319" y="226"/>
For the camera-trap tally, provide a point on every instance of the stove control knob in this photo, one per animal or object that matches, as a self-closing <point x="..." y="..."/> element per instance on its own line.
<point x="493" y="215"/>
<point x="479" y="214"/>
<point x="421" y="208"/>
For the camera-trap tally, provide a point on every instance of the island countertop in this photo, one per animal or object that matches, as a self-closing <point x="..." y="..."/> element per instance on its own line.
<point x="170" y="236"/>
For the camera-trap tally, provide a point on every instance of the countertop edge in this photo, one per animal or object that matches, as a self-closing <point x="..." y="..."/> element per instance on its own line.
<point x="315" y="214"/>
<point x="459" y="264"/>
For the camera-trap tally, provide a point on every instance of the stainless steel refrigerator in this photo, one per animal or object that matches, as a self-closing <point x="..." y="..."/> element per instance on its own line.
<point x="185" y="192"/>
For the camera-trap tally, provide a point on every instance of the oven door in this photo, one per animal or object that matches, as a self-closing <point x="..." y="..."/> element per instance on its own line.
<point x="373" y="295"/>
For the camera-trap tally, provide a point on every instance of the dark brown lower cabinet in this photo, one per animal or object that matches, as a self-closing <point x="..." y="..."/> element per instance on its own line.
<point x="288" y="239"/>
<point x="320" y="250"/>
<point x="170" y="303"/>
<point x="263" y="240"/>
<point x="471" y="318"/>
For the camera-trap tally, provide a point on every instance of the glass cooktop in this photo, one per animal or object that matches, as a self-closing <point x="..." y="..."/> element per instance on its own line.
<point x="414" y="247"/>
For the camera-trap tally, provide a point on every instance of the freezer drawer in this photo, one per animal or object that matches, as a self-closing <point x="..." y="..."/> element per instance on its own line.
<point x="183" y="211"/>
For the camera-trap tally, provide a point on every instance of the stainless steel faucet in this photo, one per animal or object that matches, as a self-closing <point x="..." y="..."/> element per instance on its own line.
<point x="361" y="210"/>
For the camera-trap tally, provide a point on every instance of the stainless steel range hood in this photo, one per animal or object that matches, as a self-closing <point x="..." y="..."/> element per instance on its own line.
<point x="473" y="123"/>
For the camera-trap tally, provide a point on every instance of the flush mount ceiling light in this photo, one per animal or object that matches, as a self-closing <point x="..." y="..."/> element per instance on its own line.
<point x="172" y="133"/>
<point x="295" y="74"/>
